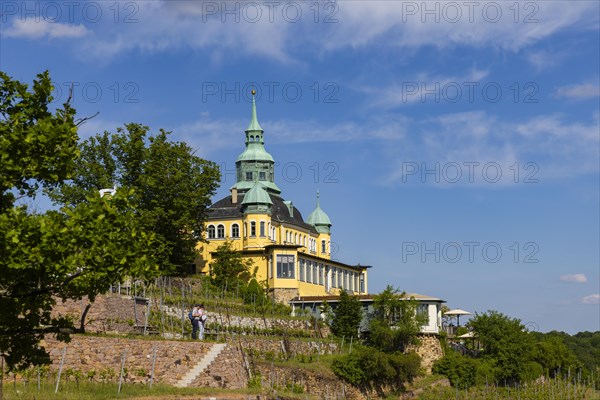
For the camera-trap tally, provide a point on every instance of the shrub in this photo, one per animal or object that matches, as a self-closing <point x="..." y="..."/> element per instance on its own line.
<point x="461" y="371"/>
<point x="464" y="372"/>
<point x="368" y="366"/>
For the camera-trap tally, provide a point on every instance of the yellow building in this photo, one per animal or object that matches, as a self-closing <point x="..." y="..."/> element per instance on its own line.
<point x="292" y="255"/>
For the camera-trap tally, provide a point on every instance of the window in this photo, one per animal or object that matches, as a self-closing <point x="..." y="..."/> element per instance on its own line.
<point x="340" y="279"/>
<point x="220" y="231"/>
<point x="362" y="283"/>
<point x="211" y="232"/>
<point x="252" y="228"/>
<point x="345" y="281"/>
<point x="295" y="238"/>
<point x="320" y="274"/>
<point x="323" y="246"/>
<point x="315" y="273"/>
<point x="327" y="269"/>
<point x="285" y="266"/>
<point x="309" y="271"/>
<point x="333" y="277"/>
<point x="262" y="176"/>
<point x="262" y="228"/>
<point x="248" y="176"/>
<point x="423" y="310"/>
<point x="235" y="230"/>
<point x="302" y="269"/>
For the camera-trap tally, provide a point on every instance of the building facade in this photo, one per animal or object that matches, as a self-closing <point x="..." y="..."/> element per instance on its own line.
<point x="429" y="306"/>
<point x="292" y="255"/>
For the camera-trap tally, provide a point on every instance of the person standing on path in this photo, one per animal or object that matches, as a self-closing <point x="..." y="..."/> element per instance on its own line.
<point x="195" y="319"/>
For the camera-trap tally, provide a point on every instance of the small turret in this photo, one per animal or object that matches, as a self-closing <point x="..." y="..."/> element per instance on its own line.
<point x="257" y="200"/>
<point x="319" y="219"/>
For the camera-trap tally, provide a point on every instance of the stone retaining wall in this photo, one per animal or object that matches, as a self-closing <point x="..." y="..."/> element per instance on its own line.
<point x="108" y="313"/>
<point x="115" y="313"/>
<point x="430" y="350"/>
<point x="283" y="349"/>
<point x="104" y="355"/>
<point x="227" y="371"/>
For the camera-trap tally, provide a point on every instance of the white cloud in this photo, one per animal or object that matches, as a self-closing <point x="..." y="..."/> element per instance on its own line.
<point x="581" y="91"/>
<point x="534" y="150"/>
<point x="425" y="88"/>
<point x="591" y="299"/>
<point x="287" y="31"/>
<point x="32" y="29"/>
<point x="442" y="24"/>
<point x="544" y="59"/>
<point x="575" y="278"/>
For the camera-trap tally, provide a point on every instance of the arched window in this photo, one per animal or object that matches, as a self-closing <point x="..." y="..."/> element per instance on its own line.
<point x="220" y="231"/>
<point x="295" y="238"/>
<point x="211" y="232"/>
<point x="235" y="230"/>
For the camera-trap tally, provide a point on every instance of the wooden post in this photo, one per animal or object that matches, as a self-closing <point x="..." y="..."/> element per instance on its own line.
<point x="153" y="366"/>
<point x="121" y="374"/>
<point x="62" y="361"/>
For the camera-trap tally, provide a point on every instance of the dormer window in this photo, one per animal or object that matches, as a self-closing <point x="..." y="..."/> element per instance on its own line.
<point x="248" y="176"/>
<point x="262" y="176"/>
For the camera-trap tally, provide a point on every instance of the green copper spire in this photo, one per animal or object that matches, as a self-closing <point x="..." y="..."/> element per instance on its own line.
<point x="255" y="163"/>
<point x="319" y="219"/>
<point x="254" y="125"/>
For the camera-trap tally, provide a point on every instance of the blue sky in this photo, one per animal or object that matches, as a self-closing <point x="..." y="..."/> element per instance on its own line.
<point x="455" y="144"/>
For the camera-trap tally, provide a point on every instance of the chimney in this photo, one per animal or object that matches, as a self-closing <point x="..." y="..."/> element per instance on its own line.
<point x="234" y="196"/>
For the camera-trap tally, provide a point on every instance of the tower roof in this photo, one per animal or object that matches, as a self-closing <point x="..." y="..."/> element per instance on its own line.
<point x="257" y="195"/>
<point x="255" y="149"/>
<point x="318" y="217"/>
<point x="255" y="163"/>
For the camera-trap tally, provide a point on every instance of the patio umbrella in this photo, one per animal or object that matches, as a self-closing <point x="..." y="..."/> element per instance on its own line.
<point x="458" y="312"/>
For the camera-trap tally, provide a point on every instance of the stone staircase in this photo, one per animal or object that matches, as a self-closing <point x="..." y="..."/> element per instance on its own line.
<point x="196" y="370"/>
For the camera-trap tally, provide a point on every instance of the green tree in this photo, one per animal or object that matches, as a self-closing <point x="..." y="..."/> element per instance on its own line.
<point x="254" y="293"/>
<point x="61" y="254"/>
<point x="505" y="342"/>
<point x="553" y="355"/>
<point x="396" y="321"/>
<point x="173" y="187"/>
<point x="37" y="147"/>
<point x="347" y="317"/>
<point x="229" y="267"/>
